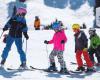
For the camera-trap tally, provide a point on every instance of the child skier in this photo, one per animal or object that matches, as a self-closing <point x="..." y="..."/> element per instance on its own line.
<point x="81" y="44"/>
<point x="17" y="26"/>
<point x="94" y="46"/>
<point x="59" y="39"/>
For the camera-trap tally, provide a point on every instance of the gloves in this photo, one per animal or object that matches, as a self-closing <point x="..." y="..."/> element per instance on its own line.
<point x="46" y="42"/>
<point x="85" y="49"/>
<point x="26" y="35"/>
<point x="62" y="42"/>
<point x="4" y="29"/>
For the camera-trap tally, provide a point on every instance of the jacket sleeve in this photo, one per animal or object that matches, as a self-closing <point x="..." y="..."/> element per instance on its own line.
<point x="95" y="41"/>
<point x="85" y="40"/>
<point x="51" y="41"/>
<point x="25" y="29"/>
<point x="8" y="24"/>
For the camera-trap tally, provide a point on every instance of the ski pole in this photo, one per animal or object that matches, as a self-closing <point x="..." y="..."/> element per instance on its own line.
<point x="47" y="53"/>
<point x="46" y="49"/>
<point x="26" y="47"/>
<point x="1" y="34"/>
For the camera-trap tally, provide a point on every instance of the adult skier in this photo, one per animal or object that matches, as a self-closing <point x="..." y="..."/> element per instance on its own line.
<point x="16" y="26"/>
<point x="59" y="39"/>
<point x="94" y="47"/>
<point x="81" y="44"/>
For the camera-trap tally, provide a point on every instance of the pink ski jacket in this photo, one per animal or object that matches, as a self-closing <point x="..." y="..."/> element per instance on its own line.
<point x="56" y="40"/>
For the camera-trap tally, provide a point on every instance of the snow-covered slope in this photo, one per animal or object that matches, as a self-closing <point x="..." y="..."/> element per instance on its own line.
<point x="37" y="56"/>
<point x="47" y="14"/>
<point x="37" y="51"/>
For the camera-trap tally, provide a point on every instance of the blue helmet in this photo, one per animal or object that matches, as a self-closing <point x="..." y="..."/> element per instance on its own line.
<point x="56" y="25"/>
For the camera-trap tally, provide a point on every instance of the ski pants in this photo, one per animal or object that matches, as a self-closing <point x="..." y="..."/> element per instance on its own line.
<point x="96" y="52"/>
<point x="59" y="55"/>
<point x="86" y="58"/>
<point x="18" y="43"/>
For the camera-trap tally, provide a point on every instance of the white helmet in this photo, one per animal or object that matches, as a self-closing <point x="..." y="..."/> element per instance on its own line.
<point x="92" y="31"/>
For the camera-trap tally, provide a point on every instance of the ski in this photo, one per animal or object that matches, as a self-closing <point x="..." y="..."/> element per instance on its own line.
<point x="80" y="72"/>
<point x="46" y="70"/>
<point x="20" y="69"/>
<point x="74" y="63"/>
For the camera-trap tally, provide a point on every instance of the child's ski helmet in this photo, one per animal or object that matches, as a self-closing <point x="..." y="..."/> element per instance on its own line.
<point x="56" y="26"/>
<point x="76" y="26"/>
<point x="21" y="11"/>
<point x="92" y="31"/>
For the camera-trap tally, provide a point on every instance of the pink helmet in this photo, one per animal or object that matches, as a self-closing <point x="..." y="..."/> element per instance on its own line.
<point x="21" y="11"/>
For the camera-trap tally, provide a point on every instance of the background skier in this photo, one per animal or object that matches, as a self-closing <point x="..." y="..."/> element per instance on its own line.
<point x="37" y="23"/>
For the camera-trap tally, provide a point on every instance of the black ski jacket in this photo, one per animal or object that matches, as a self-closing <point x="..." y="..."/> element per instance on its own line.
<point x="17" y="26"/>
<point x="81" y="41"/>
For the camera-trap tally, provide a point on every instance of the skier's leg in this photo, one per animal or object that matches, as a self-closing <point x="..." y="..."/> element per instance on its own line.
<point x="87" y="59"/>
<point x="61" y="59"/>
<point x="98" y="54"/>
<point x="6" y="50"/>
<point x="78" y="58"/>
<point x="52" y="61"/>
<point x="51" y="57"/>
<point x="18" y="43"/>
<point x="91" y="55"/>
<point x="62" y="62"/>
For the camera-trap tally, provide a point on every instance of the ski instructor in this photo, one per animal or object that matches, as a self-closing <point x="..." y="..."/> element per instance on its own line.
<point x="16" y="26"/>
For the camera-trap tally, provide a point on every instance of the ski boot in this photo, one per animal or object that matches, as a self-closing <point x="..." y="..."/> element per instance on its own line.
<point x="23" y="66"/>
<point x="1" y="66"/>
<point x="80" y="69"/>
<point x="90" y="70"/>
<point x="2" y="63"/>
<point x="52" y="68"/>
<point x="64" y="71"/>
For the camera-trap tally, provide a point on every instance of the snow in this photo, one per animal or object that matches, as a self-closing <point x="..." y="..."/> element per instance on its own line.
<point x="49" y="14"/>
<point x="37" y="52"/>
<point x="37" y="56"/>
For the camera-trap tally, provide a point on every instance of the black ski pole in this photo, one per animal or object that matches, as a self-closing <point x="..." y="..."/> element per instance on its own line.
<point x="47" y="53"/>
<point x="1" y="34"/>
<point x="26" y="47"/>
